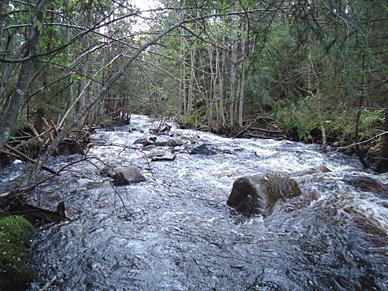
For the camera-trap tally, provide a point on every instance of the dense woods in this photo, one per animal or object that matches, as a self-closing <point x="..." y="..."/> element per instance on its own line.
<point x="315" y="70"/>
<point x="73" y="71"/>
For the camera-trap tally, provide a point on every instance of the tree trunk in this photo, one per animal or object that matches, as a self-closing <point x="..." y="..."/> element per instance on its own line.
<point x="232" y="88"/>
<point x="182" y="85"/>
<point x="211" y="96"/>
<point x="191" y="82"/>
<point x="242" y="83"/>
<point x="222" y="89"/>
<point x="82" y="90"/>
<point x="3" y="14"/>
<point x="17" y="100"/>
<point x="382" y="166"/>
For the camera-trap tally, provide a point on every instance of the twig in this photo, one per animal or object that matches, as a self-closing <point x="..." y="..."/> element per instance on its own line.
<point x="48" y="284"/>
<point x="243" y="130"/>
<point x="31" y="138"/>
<point x="50" y="134"/>
<point x="35" y="132"/>
<point x="362" y="142"/>
<point x="31" y="187"/>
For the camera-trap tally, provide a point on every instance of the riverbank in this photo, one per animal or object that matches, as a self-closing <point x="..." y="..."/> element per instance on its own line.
<point x="338" y="134"/>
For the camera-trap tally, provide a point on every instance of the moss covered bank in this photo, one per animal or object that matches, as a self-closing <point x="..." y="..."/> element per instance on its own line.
<point x="15" y="237"/>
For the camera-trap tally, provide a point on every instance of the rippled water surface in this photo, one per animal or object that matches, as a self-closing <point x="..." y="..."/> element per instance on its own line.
<point x="177" y="233"/>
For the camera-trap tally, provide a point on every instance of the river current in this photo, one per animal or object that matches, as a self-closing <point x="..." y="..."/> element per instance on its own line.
<point x="175" y="232"/>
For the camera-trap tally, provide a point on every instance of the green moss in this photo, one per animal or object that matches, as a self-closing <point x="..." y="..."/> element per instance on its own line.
<point x="300" y="116"/>
<point x="194" y="119"/>
<point x="372" y="119"/>
<point x="375" y="148"/>
<point x="15" y="237"/>
<point x="339" y="124"/>
<point x="15" y="230"/>
<point x="187" y="121"/>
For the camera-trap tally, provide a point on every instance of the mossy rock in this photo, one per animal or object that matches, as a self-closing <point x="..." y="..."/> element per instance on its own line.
<point x="15" y="237"/>
<point x="258" y="194"/>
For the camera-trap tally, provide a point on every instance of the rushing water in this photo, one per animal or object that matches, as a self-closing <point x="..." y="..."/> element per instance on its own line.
<point x="177" y="233"/>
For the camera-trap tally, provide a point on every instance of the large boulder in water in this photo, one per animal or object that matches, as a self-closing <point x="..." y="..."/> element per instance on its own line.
<point x="257" y="194"/>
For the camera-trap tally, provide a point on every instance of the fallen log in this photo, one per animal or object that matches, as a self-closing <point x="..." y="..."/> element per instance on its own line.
<point x="37" y="215"/>
<point x="267" y="130"/>
<point x="263" y="136"/>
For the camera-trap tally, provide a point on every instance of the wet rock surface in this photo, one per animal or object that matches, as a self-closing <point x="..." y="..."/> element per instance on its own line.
<point x="173" y="142"/>
<point x="202" y="149"/>
<point x="365" y="184"/>
<point x="165" y="156"/>
<point x="129" y="175"/>
<point x="257" y="194"/>
<point x="177" y="233"/>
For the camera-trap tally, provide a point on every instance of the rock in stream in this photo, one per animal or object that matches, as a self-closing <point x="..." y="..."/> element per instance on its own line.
<point x="257" y="194"/>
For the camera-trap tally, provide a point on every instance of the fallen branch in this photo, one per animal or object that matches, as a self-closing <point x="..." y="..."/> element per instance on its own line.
<point x="35" y="214"/>
<point x="263" y="136"/>
<point x="31" y="187"/>
<point x="35" y="132"/>
<point x="362" y="142"/>
<point x="267" y="130"/>
<point x="27" y="158"/>
<point x="249" y="125"/>
<point x="29" y="138"/>
<point x="48" y="284"/>
<point x="49" y="128"/>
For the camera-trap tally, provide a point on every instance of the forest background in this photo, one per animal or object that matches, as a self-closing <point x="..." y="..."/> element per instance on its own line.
<point x="314" y="71"/>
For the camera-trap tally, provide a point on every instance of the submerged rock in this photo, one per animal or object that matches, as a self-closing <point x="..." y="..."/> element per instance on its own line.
<point x="202" y="150"/>
<point x="161" y="143"/>
<point x="107" y="171"/>
<point x="129" y="175"/>
<point x="144" y="141"/>
<point x="324" y="169"/>
<point x="364" y="183"/>
<point x="162" y="128"/>
<point x="174" y="142"/>
<point x="163" y="157"/>
<point x="257" y="194"/>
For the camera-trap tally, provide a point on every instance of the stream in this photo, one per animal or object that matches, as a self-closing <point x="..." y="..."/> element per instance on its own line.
<point x="177" y="233"/>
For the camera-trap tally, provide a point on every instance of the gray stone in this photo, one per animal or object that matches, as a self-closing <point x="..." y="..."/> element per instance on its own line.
<point x="143" y="141"/>
<point x="202" y="150"/>
<point x="172" y="142"/>
<point x="107" y="171"/>
<point x="164" y="157"/>
<point x="128" y="176"/>
<point x="365" y="184"/>
<point x="258" y="194"/>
